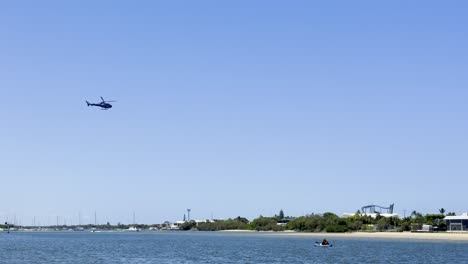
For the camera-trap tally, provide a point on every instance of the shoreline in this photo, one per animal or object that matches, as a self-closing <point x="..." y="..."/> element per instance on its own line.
<point x="436" y="236"/>
<point x="452" y="236"/>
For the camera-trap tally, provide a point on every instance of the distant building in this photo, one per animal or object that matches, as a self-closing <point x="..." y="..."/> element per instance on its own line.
<point x="203" y="221"/>
<point x="422" y="228"/>
<point x="457" y="222"/>
<point x="176" y="225"/>
<point x="284" y="221"/>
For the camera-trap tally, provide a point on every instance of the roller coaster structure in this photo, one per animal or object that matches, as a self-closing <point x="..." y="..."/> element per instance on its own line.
<point x="376" y="209"/>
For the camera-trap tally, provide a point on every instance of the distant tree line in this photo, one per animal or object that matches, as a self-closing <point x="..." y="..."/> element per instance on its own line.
<point x="238" y="223"/>
<point x="327" y="222"/>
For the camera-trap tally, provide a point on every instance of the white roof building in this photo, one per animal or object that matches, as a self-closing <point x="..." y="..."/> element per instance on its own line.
<point x="457" y="222"/>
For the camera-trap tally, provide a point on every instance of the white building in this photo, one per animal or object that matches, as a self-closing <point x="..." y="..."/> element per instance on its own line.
<point x="457" y="222"/>
<point x="176" y="225"/>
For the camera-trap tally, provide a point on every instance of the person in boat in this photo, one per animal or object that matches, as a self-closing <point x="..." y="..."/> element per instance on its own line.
<point x="325" y="242"/>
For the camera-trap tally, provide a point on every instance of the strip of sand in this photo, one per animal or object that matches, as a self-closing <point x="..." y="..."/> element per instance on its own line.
<point x="393" y="235"/>
<point x="454" y="236"/>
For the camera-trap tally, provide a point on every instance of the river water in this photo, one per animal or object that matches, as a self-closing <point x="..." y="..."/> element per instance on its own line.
<point x="217" y="247"/>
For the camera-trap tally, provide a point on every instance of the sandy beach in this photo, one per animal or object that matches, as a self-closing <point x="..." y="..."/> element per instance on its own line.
<point x="461" y="236"/>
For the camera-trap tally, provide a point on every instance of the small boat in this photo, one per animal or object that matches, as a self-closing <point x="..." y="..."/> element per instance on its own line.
<point x="320" y="245"/>
<point x="133" y="229"/>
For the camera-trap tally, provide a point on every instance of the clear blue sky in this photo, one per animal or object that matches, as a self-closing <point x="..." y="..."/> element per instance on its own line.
<point x="231" y="108"/>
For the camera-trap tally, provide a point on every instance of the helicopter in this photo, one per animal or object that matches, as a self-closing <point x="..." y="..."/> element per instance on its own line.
<point x="104" y="104"/>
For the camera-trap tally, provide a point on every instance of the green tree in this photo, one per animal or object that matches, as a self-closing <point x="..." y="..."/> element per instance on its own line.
<point x="383" y="223"/>
<point x="242" y="219"/>
<point x="238" y="223"/>
<point x="330" y="215"/>
<point x="309" y="223"/>
<point x="405" y="224"/>
<point x="265" y="224"/>
<point x="188" y="225"/>
<point x="339" y="226"/>
<point x="442" y="211"/>
<point x="434" y="219"/>
<point x="281" y="214"/>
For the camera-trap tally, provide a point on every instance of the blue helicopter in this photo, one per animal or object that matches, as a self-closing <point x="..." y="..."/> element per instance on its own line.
<point x="103" y="104"/>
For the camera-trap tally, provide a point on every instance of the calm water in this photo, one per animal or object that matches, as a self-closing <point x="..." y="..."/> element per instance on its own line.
<point x="216" y="247"/>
